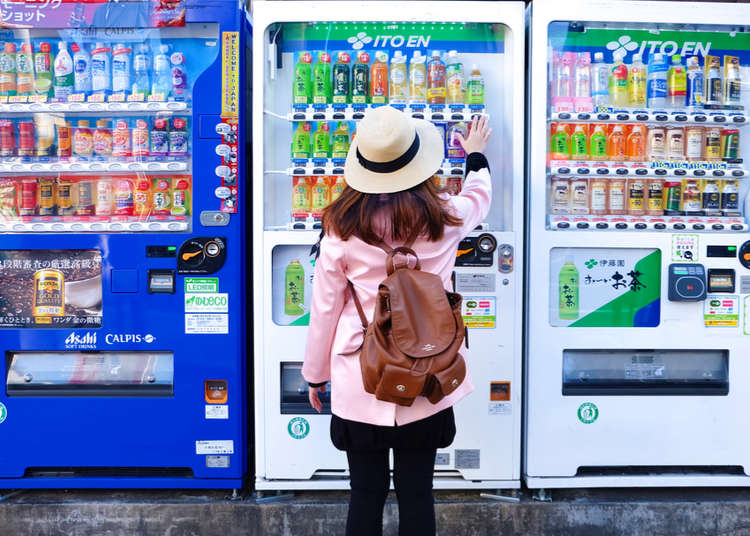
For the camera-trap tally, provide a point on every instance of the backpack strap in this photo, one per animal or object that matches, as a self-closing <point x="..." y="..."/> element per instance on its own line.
<point x="358" y="305"/>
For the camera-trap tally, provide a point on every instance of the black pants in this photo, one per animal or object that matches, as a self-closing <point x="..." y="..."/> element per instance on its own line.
<point x="370" y="479"/>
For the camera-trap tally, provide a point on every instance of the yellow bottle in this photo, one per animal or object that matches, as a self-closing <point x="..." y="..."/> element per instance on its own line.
<point x="417" y="79"/>
<point x="399" y="87"/>
<point x="637" y="82"/>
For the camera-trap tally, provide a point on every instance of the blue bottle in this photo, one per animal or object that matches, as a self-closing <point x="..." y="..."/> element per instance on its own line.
<point x="141" y="67"/>
<point x="162" y="83"/>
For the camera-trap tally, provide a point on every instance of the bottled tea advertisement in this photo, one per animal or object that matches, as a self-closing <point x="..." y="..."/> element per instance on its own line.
<point x="50" y="289"/>
<point x="293" y="268"/>
<point x="605" y="287"/>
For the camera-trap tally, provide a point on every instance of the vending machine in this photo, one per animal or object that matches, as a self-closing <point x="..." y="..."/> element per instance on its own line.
<point x="319" y="67"/>
<point x="121" y="260"/>
<point x="638" y="317"/>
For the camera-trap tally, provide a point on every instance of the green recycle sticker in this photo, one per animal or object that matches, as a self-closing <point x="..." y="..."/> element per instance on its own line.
<point x="298" y="428"/>
<point x="588" y="413"/>
<point x="3" y="412"/>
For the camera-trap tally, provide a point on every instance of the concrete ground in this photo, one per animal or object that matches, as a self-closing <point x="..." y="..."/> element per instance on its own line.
<point x="640" y="512"/>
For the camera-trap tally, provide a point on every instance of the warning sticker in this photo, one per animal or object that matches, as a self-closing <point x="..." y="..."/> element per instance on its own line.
<point x="475" y="283"/>
<point x="721" y="311"/>
<point x="684" y="247"/>
<point x="443" y="458"/>
<point x="216" y="324"/>
<point x="467" y="459"/>
<point x="478" y="312"/>
<point x="500" y="408"/>
<point x="215" y="447"/>
<point x="217" y="411"/>
<point x="207" y="302"/>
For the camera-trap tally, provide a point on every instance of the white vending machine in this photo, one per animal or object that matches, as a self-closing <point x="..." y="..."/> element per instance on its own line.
<point x="318" y="67"/>
<point x="638" y="323"/>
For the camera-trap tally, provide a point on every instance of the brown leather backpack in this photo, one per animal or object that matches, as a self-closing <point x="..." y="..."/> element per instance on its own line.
<point x="411" y="348"/>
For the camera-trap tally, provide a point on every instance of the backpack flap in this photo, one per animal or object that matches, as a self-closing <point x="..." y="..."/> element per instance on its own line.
<point x="448" y="380"/>
<point x="422" y="322"/>
<point x="398" y="383"/>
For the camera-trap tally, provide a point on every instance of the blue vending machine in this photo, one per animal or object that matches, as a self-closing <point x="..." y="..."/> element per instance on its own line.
<point x="122" y="276"/>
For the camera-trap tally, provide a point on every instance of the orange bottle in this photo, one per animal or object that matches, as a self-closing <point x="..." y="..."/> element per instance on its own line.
<point x="636" y="144"/>
<point x="142" y="198"/>
<point x="616" y="144"/>
<point x="379" y="79"/>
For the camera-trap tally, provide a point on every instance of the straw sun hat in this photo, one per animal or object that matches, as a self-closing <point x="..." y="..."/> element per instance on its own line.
<point x="392" y="152"/>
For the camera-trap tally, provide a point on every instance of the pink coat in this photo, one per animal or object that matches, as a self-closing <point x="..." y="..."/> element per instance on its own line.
<point x="335" y="328"/>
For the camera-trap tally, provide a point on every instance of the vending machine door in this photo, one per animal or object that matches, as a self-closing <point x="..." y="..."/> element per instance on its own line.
<point x="637" y="218"/>
<point x="318" y="70"/>
<point x="121" y="257"/>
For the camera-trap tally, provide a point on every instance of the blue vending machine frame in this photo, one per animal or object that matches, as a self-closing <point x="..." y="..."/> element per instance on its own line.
<point x="177" y="437"/>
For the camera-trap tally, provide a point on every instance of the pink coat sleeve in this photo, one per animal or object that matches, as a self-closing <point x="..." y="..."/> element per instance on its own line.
<point x="329" y="295"/>
<point x="473" y="203"/>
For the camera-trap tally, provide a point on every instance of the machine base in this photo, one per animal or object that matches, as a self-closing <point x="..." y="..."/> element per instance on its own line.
<point x="119" y="483"/>
<point x="325" y="483"/>
<point x="640" y="481"/>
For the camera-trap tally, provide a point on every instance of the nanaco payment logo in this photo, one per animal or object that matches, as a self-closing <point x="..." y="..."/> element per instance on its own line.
<point x="81" y="340"/>
<point x="625" y="44"/>
<point x="383" y="41"/>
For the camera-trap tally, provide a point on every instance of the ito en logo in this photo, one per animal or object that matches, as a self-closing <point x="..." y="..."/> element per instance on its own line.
<point x="298" y="428"/>
<point x="359" y="41"/>
<point x="588" y="412"/>
<point x="622" y="46"/>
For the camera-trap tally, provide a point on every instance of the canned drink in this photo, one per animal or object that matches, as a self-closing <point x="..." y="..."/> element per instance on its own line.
<point x="28" y="197"/>
<point x="46" y="197"/>
<point x="45" y="132"/>
<point x="84" y="198"/>
<point x="64" y="198"/>
<point x="453" y="187"/>
<point x="672" y="197"/>
<point x="7" y="138"/>
<point x="713" y="144"/>
<point x="730" y="144"/>
<point x="26" y="139"/>
<point x="49" y="293"/>
<point x="64" y="141"/>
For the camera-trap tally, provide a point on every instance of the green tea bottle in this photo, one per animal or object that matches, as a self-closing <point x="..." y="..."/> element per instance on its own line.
<point x="322" y="79"/>
<point x="568" y="289"/>
<point x="302" y="89"/>
<point x="301" y="142"/>
<point x="294" y="289"/>
<point x="340" y="141"/>
<point x="322" y="141"/>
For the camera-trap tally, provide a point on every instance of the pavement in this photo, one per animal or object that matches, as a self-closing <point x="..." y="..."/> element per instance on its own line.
<point x="629" y="512"/>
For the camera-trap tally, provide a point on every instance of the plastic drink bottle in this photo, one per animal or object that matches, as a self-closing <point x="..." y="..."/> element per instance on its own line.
<point x="598" y="142"/>
<point x="579" y="147"/>
<point x="655" y="193"/>
<point x="178" y="137"/>
<point x="159" y="142"/>
<point x="83" y="141"/>
<point x="453" y="148"/>
<point x="43" y="69"/>
<point x="676" y="83"/>
<point x="475" y="87"/>
<point x="102" y="140"/>
<point x="319" y="197"/>
<point x="140" y="139"/>
<point x="455" y="82"/>
<point x="568" y="290"/>
<point x="600" y="81"/>
<point x="637" y="83"/>
<point x="361" y="78"/>
<point x="616" y="144"/>
<point x="560" y="143"/>
<point x="302" y="89"/>
<point x="322" y="141"/>
<point x="341" y="79"/>
<point x="399" y="87"/>
<point x="101" y="69"/>
<point x="713" y="93"/>
<point x="559" y="195"/>
<point x="694" y="90"/>
<point x="161" y="198"/>
<point x="337" y="186"/>
<point x="417" y="79"/>
<point x="340" y="141"/>
<point x="141" y="68"/>
<point x="579" y="196"/>
<point x="379" y="79"/>
<point x="121" y="144"/>
<point x="63" y="72"/>
<point x="322" y="79"/>
<point x="120" y="68"/>
<point x="636" y="144"/>
<point x="142" y="197"/>
<point x="81" y="69"/>
<point x="8" y="69"/>
<point x="162" y="81"/>
<point x="636" y="196"/>
<point x="25" y="70"/>
<point x="599" y="188"/>
<point x="179" y="75"/>
<point x="300" y="198"/>
<point x="582" y="101"/>
<point x="616" y="196"/>
<point x="180" y="197"/>
<point x="124" y="202"/>
<point x="301" y="141"/>
<point x="618" y="83"/>
<point x="436" y="92"/>
<point x="562" y="81"/>
<point x="294" y="289"/>
<point x="732" y="81"/>
<point x="656" y="92"/>
<point x="103" y="206"/>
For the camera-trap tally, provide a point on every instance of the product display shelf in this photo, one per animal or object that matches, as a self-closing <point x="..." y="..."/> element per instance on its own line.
<point x="93" y="166"/>
<point x="91" y="226"/>
<point x="647" y="223"/>
<point x="98" y="107"/>
<point x="682" y="169"/>
<point x="655" y="117"/>
<point x="430" y="112"/>
<point x="311" y="168"/>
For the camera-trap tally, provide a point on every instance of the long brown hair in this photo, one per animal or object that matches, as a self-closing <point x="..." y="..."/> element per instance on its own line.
<point x="420" y="206"/>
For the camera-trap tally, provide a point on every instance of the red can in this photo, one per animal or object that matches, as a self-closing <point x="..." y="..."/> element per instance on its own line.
<point x="28" y="197"/>
<point x="7" y="138"/>
<point x="26" y="138"/>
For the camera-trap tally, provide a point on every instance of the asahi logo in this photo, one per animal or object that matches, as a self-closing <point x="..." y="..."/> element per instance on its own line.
<point x="625" y="44"/>
<point x="127" y="338"/>
<point x="393" y="41"/>
<point x="81" y="340"/>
